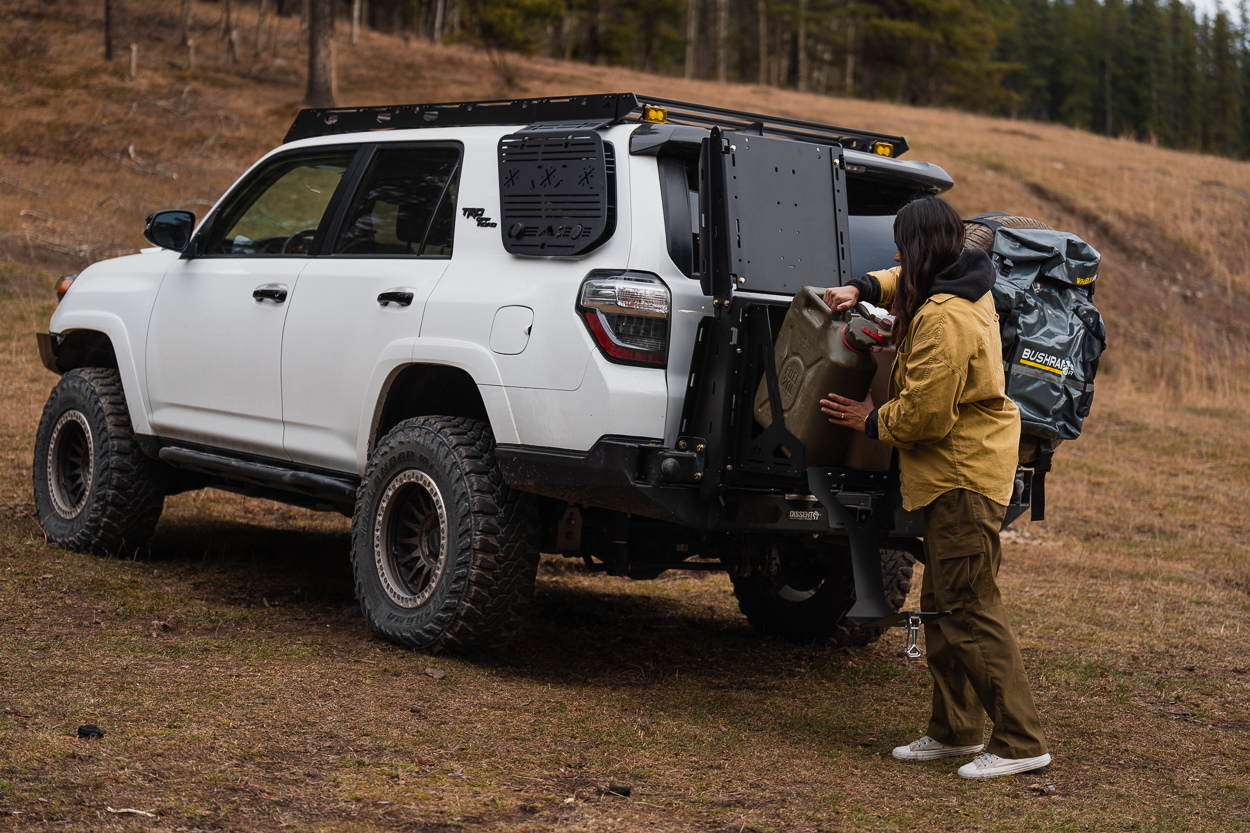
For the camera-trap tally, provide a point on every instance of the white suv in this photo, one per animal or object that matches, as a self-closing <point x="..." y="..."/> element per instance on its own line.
<point x="486" y="330"/>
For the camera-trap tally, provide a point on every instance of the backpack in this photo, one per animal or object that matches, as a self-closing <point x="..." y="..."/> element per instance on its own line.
<point x="1053" y="336"/>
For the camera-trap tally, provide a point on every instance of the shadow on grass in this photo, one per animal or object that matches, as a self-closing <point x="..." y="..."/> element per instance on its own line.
<point x="597" y="631"/>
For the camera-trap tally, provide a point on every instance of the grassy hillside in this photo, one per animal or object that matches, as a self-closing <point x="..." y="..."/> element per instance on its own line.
<point x="241" y="691"/>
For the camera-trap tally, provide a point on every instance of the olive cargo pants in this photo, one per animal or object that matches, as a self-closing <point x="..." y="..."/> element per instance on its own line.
<point x="973" y="655"/>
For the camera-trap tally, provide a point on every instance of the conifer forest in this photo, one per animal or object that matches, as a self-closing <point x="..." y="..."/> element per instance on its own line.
<point x="1154" y="70"/>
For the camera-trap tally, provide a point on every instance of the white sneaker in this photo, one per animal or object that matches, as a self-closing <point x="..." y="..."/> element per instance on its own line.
<point x="990" y="765"/>
<point x="926" y="749"/>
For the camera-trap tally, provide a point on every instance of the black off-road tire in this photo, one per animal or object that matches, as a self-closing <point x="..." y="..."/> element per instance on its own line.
<point x="811" y="605"/>
<point x="456" y="580"/>
<point x="95" y="490"/>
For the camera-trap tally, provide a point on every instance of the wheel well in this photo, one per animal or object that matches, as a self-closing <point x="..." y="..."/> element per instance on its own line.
<point x="85" y="348"/>
<point x="427" y="390"/>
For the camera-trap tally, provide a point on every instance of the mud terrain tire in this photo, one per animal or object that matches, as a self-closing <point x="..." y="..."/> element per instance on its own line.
<point x="95" y="491"/>
<point x="815" y="610"/>
<point x="444" y="552"/>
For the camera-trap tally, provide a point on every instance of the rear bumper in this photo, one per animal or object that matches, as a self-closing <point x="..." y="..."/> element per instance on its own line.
<point x="623" y="474"/>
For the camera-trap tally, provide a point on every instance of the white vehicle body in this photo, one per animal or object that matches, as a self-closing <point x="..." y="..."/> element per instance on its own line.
<point x="204" y="362"/>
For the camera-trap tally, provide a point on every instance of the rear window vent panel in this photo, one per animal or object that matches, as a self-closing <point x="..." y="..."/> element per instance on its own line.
<point x="557" y="192"/>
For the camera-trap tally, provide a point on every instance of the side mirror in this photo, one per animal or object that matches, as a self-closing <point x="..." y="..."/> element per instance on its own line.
<point x="170" y="229"/>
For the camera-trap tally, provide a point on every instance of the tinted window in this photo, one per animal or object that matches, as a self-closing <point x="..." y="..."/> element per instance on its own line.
<point x="405" y="206"/>
<point x="278" y="211"/>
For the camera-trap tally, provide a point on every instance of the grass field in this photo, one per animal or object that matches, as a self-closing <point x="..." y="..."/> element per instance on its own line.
<point x="240" y="689"/>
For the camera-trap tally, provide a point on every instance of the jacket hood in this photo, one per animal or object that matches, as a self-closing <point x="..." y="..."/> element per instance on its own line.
<point x="969" y="278"/>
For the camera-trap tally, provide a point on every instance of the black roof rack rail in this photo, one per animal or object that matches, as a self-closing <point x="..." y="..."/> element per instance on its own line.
<point x="582" y="111"/>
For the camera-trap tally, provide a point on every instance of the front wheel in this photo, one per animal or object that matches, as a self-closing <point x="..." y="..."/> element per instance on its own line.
<point x="444" y="552"/>
<point x="95" y="491"/>
<point x="807" y="597"/>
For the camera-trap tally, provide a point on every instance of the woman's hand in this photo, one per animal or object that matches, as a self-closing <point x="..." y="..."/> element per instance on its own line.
<point x="848" y="412"/>
<point x="839" y="298"/>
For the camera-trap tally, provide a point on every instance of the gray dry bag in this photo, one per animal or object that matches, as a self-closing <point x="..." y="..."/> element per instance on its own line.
<point x="1052" y="334"/>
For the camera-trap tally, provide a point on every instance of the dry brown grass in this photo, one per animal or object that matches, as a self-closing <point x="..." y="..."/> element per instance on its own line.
<point x="266" y="703"/>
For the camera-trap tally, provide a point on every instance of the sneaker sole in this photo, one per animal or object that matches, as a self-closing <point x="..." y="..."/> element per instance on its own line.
<point x="933" y="755"/>
<point x="1026" y="765"/>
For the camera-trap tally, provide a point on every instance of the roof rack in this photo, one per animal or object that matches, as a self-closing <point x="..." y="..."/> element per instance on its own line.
<point x="583" y="111"/>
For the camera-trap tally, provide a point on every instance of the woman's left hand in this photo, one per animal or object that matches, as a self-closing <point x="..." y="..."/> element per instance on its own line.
<point x="848" y="412"/>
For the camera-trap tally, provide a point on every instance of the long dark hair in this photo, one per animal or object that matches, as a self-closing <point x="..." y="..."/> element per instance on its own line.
<point x="930" y="236"/>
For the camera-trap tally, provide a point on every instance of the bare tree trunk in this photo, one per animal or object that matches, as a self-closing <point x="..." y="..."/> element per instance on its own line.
<point x="230" y="33"/>
<point x="440" y="12"/>
<point x="722" y="40"/>
<point x="850" y="56"/>
<point x="763" y="4"/>
<point x="802" y="46"/>
<point x="184" y="36"/>
<point x="355" y="22"/>
<point x="692" y="38"/>
<point x="568" y="32"/>
<point x="261" y="11"/>
<point x="304" y="14"/>
<point x="320" y="91"/>
<point x="108" y="30"/>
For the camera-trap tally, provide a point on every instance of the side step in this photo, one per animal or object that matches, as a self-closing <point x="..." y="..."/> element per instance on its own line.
<point x="322" y="486"/>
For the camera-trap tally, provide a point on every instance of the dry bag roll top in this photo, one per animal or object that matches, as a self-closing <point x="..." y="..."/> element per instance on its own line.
<point x="1053" y="336"/>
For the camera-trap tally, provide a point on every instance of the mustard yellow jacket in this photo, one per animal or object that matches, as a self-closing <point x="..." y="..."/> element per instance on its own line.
<point x="948" y="412"/>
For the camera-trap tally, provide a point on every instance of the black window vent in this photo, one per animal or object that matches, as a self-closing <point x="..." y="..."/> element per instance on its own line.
<point x="557" y="192"/>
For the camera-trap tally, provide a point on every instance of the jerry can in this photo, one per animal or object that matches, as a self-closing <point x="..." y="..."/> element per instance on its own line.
<point x="819" y="352"/>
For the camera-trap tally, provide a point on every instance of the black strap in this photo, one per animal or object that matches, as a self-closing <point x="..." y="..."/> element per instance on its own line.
<point x="1045" y="452"/>
<point x="984" y="219"/>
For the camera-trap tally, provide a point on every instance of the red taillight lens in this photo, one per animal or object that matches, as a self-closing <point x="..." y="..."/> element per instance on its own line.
<point x="62" y="286"/>
<point x="627" y="313"/>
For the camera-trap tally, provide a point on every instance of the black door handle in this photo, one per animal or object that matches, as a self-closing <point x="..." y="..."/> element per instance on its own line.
<point x="401" y="298"/>
<point x="272" y="293"/>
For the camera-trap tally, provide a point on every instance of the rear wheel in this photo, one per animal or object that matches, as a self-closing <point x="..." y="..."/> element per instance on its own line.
<point x="445" y="553"/>
<point x="95" y="491"/>
<point x="808" y="595"/>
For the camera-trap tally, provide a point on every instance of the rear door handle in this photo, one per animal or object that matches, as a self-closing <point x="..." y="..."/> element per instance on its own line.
<point x="277" y="294"/>
<point x="403" y="299"/>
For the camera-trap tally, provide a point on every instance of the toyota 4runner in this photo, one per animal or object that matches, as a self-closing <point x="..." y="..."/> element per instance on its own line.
<point x="486" y="330"/>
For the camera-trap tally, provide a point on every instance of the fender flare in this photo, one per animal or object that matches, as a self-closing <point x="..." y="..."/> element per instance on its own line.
<point x="473" y="359"/>
<point x="114" y="329"/>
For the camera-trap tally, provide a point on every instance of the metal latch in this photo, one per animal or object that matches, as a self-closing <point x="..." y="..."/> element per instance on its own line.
<point x="913" y="637"/>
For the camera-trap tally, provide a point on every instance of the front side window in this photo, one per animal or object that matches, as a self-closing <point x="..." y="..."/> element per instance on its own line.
<point x="278" y="211"/>
<point x="405" y="206"/>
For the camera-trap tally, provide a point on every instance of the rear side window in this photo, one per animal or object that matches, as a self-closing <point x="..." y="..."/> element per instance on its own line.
<point x="279" y="210"/>
<point x="405" y="206"/>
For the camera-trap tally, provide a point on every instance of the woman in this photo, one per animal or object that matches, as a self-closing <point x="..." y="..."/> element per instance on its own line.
<point x="957" y="435"/>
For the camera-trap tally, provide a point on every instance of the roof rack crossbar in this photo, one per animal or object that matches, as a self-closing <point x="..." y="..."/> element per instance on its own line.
<point x="600" y="110"/>
<point x="703" y="115"/>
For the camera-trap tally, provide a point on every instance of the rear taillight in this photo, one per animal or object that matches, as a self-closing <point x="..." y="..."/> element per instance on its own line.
<point x="62" y="286"/>
<point x="627" y="313"/>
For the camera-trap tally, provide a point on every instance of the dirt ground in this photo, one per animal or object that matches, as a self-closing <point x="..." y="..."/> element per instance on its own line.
<point x="240" y="690"/>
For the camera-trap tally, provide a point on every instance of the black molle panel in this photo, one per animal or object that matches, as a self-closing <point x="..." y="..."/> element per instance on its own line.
<point x="557" y="192"/>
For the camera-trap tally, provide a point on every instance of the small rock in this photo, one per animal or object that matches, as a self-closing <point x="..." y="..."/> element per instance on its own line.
<point x="619" y="789"/>
<point x="415" y="709"/>
<point x="435" y="673"/>
<point x="156" y="574"/>
<point x="121" y="611"/>
<point x="89" y="731"/>
<point x="1190" y="668"/>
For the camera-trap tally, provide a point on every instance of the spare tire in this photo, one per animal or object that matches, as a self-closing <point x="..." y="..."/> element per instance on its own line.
<point x="977" y="235"/>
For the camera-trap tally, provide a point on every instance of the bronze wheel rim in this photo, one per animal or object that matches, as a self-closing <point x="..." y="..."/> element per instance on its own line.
<point x="71" y="464"/>
<point x="410" y="539"/>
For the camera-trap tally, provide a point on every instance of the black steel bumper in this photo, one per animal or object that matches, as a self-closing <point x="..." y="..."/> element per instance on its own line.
<point x="627" y="474"/>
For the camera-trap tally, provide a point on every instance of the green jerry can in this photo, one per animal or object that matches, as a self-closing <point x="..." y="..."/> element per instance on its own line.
<point x="817" y="353"/>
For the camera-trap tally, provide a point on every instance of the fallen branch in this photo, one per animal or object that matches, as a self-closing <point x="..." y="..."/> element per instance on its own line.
<point x="128" y="810"/>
